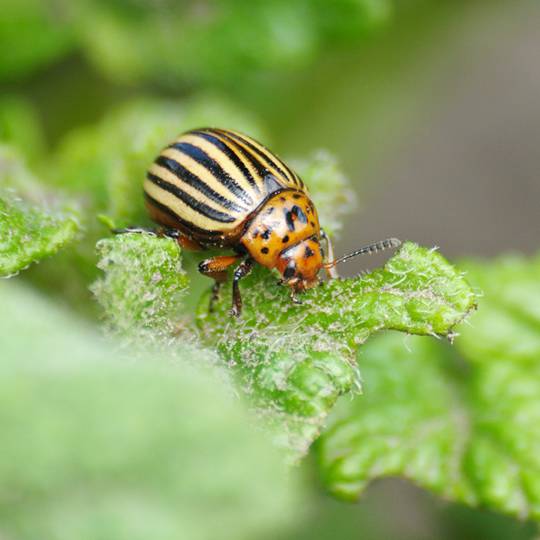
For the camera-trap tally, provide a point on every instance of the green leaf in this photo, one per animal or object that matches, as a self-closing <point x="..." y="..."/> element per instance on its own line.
<point x="508" y="325"/>
<point x="102" y="444"/>
<point x="296" y="360"/>
<point x="32" y="34"/>
<point x="468" y="431"/>
<point x="143" y="285"/>
<point x="217" y="45"/>
<point x="408" y="420"/>
<point x="32" y="227"/>
<point x="20" y="127"/>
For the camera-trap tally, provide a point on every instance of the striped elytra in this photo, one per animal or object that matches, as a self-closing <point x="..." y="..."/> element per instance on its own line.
<point x="209" y="181"/>
<point x="218" y="188"/>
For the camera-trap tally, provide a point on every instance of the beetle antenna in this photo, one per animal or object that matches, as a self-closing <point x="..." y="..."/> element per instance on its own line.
<point x="372" y="248"/>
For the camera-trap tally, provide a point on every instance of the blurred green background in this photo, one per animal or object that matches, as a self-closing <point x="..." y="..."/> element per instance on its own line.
<point x="431" y="107"/>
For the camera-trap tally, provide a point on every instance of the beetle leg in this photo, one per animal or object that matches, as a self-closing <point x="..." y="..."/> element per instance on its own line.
<point x="242" y="270"/>
<point x="183" y="241"/>
<point x="216" y="287"/>
<point x="216" y="268"/>
<point x="294" y="298"/>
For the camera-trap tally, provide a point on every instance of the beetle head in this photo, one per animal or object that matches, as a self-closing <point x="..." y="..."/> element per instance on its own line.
<point x="300" y="264"/>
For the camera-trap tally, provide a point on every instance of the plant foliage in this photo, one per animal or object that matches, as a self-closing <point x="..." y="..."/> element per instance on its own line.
<point x="97" y="443"/>
<point x="29" y="231"/>
<point x="466" y="425"/>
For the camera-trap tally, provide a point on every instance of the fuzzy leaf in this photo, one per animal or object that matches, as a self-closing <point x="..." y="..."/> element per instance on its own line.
<point x="143" y="285"/>
<point x="508" y="325"/>
<point x="470" y="432"/>
<point x="296" y="360"/>
<point x="31" y="227"/>
<point x="98" y="444"/>
<point x="407" y="421"/>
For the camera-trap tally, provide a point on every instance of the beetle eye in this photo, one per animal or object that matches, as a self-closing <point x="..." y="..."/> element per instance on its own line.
<point x="289" y="271"/>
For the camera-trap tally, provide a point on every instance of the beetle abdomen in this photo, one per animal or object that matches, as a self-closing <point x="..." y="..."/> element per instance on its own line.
<point x="210" y="181"/>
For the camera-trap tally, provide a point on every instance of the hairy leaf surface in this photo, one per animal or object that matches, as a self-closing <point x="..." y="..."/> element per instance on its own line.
<point x="468" y="430"/>
<point x="31" y="225"/>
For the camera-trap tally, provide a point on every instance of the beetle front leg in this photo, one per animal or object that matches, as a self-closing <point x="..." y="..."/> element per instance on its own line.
<point x="216" y="268"/>
<point x="241" y="271"/>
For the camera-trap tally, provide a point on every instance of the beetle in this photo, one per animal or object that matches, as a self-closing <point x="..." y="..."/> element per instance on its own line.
<point x="218" y="188"/>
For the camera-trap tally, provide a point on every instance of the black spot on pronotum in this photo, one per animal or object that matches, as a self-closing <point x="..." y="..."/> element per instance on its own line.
<point x="265" y="250"/>
<point x="308" y="253"/>
<point x="266" y="234"/>
<point x="299" y="213"/>
<point x="289" y="219"/>
<point x="285" y="239"/>
<point x="289" y="271"/>
<point x="270" y="210"/>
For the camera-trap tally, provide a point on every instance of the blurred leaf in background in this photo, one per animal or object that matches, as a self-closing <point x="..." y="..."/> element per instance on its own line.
<point x="97" y="443"/>
<point x="225" y="42"/>
<point x="20" y="127"/>
<point x="195" y="41"/>
<point x="468" y="430"/>
<point x="33" y="33"/>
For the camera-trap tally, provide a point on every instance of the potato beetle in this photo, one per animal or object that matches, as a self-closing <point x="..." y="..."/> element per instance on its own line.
<point x="217" y="188"/>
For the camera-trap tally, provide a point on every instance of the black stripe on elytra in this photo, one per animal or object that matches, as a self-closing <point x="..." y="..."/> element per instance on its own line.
<point x="190" y="201"/>
<point x="267" y="156"/>
<point x="262" y="171"/>
<point x="202" y="158"/>
<point x="231" y="154"/>
<point x="187" y="176"/>
<point x="289" y="219"/>
<point x="187" y="225"/>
